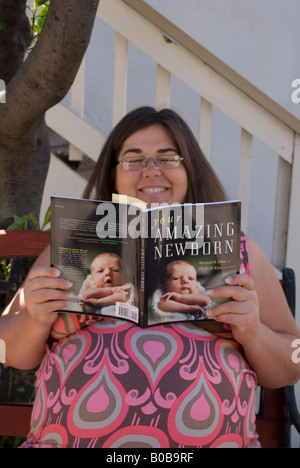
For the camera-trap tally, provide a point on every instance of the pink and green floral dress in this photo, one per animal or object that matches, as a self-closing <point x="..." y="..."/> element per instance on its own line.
<point x="108" y="383"/>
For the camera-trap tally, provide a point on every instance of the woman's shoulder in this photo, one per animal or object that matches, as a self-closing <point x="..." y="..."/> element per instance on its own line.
<point x="257" y="258"/>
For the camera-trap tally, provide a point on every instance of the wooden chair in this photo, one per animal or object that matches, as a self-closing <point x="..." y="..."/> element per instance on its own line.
<point x="278" y="408"/>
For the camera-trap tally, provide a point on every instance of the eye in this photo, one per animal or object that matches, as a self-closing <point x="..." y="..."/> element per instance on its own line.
<point x="169" y="159"/>
<point x="133" y="163"/>
<point x="134" y="159"/>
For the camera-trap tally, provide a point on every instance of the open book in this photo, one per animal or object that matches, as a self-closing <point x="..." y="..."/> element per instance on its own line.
<point x="149" y="266"/>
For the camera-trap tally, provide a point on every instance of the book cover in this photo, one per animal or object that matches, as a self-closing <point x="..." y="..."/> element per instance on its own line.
<point x="149" y="266"/>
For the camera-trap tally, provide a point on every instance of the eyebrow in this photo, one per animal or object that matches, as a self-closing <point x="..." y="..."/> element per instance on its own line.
<point x="139" y="151"/>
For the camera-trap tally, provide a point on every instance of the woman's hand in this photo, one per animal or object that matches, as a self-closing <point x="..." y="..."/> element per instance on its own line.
<point x="241" y="314"/>
<point x="45" y="293"/>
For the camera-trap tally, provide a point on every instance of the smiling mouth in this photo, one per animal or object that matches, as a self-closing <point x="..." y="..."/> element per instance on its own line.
<point x="153" y="189"/>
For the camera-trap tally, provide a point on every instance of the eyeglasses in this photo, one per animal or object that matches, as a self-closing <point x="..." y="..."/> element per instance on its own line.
<point x="137" y="163"/>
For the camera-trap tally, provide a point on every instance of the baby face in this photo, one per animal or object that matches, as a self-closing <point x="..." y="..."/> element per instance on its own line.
<point x="183" y="279"/>
<point x="106" y="272"/>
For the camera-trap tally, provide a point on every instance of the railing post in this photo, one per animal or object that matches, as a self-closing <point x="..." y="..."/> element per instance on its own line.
<point x="163" y="88"/>
<point x="245" y="174"/>
<point x="120" y="79"/>
<point x="293" y="251"/>
<point x="205" y="127"/>
<point x="281" y="214"/>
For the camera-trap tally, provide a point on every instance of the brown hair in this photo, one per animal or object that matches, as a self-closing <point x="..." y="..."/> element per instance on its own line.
<point x="204" y="185"/>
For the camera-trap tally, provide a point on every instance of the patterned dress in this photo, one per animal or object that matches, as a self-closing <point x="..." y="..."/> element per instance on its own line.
<point x="111" y="384"/>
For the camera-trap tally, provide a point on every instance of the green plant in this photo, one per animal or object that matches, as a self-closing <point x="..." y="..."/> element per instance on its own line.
<point x="38" y="13"/>
<point x="21" y="222"/>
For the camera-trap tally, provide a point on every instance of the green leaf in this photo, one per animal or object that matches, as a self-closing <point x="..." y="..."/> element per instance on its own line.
<point x="47" y="219"/>
<point x="21" y="223"/>
<point x="39" y="11"/>
<point x="35" y="222"/>
<point x="2" y="26"/>
<point x="39" y="3"/>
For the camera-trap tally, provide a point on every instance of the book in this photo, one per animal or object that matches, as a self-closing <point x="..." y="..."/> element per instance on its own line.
<point x="148" y="266"/>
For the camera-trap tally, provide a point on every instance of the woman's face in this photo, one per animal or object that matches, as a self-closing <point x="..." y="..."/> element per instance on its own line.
<point x="151" y="183"/>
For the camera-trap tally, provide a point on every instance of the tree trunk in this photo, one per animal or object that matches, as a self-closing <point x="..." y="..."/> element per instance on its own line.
<point x="23" y="172"/>
<point x="14" y="39"/>
<point x="32" y="88"/>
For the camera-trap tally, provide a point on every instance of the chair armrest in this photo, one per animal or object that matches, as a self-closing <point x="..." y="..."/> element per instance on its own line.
<point x="293" y="411"/>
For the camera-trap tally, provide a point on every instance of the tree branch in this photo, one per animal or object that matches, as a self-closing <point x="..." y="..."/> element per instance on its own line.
<point x="50" y="69"/>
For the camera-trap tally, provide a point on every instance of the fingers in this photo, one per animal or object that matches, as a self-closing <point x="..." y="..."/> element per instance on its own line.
<point x="241" y="295"/>
<point x="46" y="292"/>
<point x="241" y="311"/>
<point x="238" y="287"/>
<point x="43" y="271"/>
<point x="45" y="277"/>
<point x="241" y="280"/>
<point x="41" y="296"/>
<point x="229" y="311"/>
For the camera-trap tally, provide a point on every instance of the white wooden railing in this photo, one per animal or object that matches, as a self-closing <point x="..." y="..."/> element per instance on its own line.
<point x="219" y="87"/>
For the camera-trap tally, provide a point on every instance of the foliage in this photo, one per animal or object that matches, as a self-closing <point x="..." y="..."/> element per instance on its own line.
<point x="21" y="222"/>
<point x="38" y="13"/>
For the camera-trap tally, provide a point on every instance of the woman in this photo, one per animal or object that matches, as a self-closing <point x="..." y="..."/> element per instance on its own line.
<point x="108" y="383"/>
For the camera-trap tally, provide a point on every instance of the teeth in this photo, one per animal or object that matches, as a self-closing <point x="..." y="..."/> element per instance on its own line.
<point x="153" y="189"/>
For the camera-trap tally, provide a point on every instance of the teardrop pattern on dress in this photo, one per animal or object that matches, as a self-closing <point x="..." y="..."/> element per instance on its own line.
<point x="111" y="384"/>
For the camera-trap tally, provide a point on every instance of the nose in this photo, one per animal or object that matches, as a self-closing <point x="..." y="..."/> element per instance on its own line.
<point x="184" y="280"/>
<point x="151" y="167"/>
